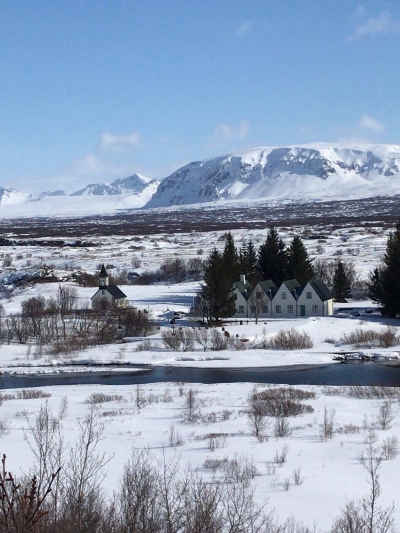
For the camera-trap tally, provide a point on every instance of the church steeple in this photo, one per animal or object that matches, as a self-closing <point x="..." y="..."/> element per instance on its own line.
<point x="103" y="277"/>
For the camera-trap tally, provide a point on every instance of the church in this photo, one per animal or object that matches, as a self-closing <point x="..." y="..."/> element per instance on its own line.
<point x="107" y="295"/>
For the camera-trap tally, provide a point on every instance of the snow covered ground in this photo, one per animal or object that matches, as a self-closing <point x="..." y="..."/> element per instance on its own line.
<point x="330" y="469"/>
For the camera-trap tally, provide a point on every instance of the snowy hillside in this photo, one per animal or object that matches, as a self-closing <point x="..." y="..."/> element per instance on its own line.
<point x="307" y="173"/>
<point x="10" y="196"/>
<point x="299" y="172"/>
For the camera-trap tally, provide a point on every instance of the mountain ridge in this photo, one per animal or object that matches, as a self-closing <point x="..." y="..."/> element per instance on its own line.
<point x="288" y="173"/>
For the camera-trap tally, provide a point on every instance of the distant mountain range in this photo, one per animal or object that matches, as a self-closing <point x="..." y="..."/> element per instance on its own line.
<point x="308" y="172"/>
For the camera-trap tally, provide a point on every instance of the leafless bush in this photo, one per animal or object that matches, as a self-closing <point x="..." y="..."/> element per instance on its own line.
<point x="171" y="339"/>
<point x="31" y="394"/>
<point x="348" y="429"/>
<point x="291" y="339"/>
<point x="270" y="468"/>
<point x="286" y="484"/>
<point x="297" y="478"/>
<point x="140" y="397"/>
<point x="390" y="448"/>
<point x="239" y="469"/>
<point x="327" y="428"/>
<point x="368" y="338"/>
<point x="191" y="406"/>
<point x="101" y="397"/>
<point x="214" y="440"/>
<point x="385" y="415"/>
<point x="281" y="455"/>
<point x="146" y="346"/>
<point x="218" y="341"/>
<point x="136" y="262"/>
<point x="373" y="392"/>
<point x="4" y="428"/>
<point x="284" y="402"/>
<point x="174" y="437"/>
<point x="282" y="427"/>
<point x="214" y="464"/>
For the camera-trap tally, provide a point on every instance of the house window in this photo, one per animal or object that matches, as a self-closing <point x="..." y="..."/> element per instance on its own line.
<point x="258" y="295"/>
<point x="253" y="308"/>
<point x="309" y="296"/>
<point x="290" y="308"/>
<point x="265" y="309"/>
<point x="279" y="309"/>
<point x="315" y="308"/>
<point x="241" y="309"/>
<point x="103" y="293"/>
<point x="283" y="295"/>
<point x="235" y="296"/>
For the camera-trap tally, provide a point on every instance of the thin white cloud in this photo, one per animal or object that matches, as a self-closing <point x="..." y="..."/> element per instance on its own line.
<point x="359" y="13"/>
<point x="382" y="24"/>
<point x="112" y="141"/>
<point x="225" y="133"/>
<point x="88" y="164"/>
<point x="371" y="124"/>
<point x="244" y="28"/>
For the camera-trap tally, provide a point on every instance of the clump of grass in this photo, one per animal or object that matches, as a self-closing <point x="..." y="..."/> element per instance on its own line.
<point x="100" y="397"/>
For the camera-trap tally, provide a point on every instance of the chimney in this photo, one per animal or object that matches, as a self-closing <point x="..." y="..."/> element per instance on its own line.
<point x="243" y="278"/>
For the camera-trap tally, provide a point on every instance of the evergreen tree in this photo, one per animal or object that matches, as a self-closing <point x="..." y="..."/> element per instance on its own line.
<point x="384" y="287"/>
<point x="272" y="258"/>
<point x="217" y="294"/>
<point x="299" y="264"/>
<point x="341" y="289"/>
<point x="230" y="258"/>
<point x="248" y="261"/>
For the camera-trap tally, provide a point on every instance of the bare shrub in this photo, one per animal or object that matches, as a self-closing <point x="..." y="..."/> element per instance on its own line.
<point x="214" y="440"/>
<point x="286" y="484"/>
<point x="390" y="448"/>
<point x="171" y="339"/>
<point x="327" y="428"/>
<point x="239" y="469"/>
<point x="174" y="437"/>
<point x="282" y="427"/>
<point x="202" y="336"/>
<point x="385" y="415"/>
<point x="140" y="397"/>
<point x="373" y="392"/>
<point x="270" y="468"/>
<point x="256" y="417"/>
<point x="290" y="339"/>
<point x="4" y="428"/>
<point x="31" y="394"/>
<point x="214" y="464"/>
<point x="191" y="406"/>
<point x="297" y="478"/>
<point x="218" y="341"/>
<point x="281" y="455"/>
<point x="284" y="402"/>
<point x="368" y="338"/>
<point x="100" y="397"/>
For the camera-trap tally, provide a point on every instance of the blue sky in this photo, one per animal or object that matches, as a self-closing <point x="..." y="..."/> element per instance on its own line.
<point x="93" y="90"/>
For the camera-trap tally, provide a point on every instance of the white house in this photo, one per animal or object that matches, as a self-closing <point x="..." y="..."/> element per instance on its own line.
<point x="284" y="302"/>
<point x="107" y="294"/>
<point x="290" y="300"/>
<point x="242" y="291"/>
<point x="315" y="299"/>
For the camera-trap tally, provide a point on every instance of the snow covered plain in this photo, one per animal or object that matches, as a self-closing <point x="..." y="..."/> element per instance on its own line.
<point x="330" y="469"/>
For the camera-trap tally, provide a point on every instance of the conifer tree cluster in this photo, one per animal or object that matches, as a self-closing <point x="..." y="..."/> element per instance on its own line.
<point x="273" y="260"/>
<point x="384" y="286"/>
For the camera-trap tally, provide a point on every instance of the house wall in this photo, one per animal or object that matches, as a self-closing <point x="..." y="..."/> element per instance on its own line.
<point x="241" y="302"/>
<point x="288" y="305"/>
<point x="322" y="308"/>
<point x="265" y="302"/>
<point x="100" y="295"/>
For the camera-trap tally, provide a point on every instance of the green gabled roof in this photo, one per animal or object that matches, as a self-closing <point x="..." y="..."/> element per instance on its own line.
<point x="321" y="289"/>
<point x="267" y="285"/>
<point x="292" y="285"/>
<point x="244" y="288"/>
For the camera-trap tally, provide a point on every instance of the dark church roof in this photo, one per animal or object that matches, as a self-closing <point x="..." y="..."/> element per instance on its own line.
<point x="103" y="271"/>
<point x="115" y="292"/>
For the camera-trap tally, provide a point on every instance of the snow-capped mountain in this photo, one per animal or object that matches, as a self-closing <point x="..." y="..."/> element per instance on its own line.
<point x="309" y="172"/>
<point x="296" y="172"/>
<point x="133" y="185"/>
<point x="9" y="196"/>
